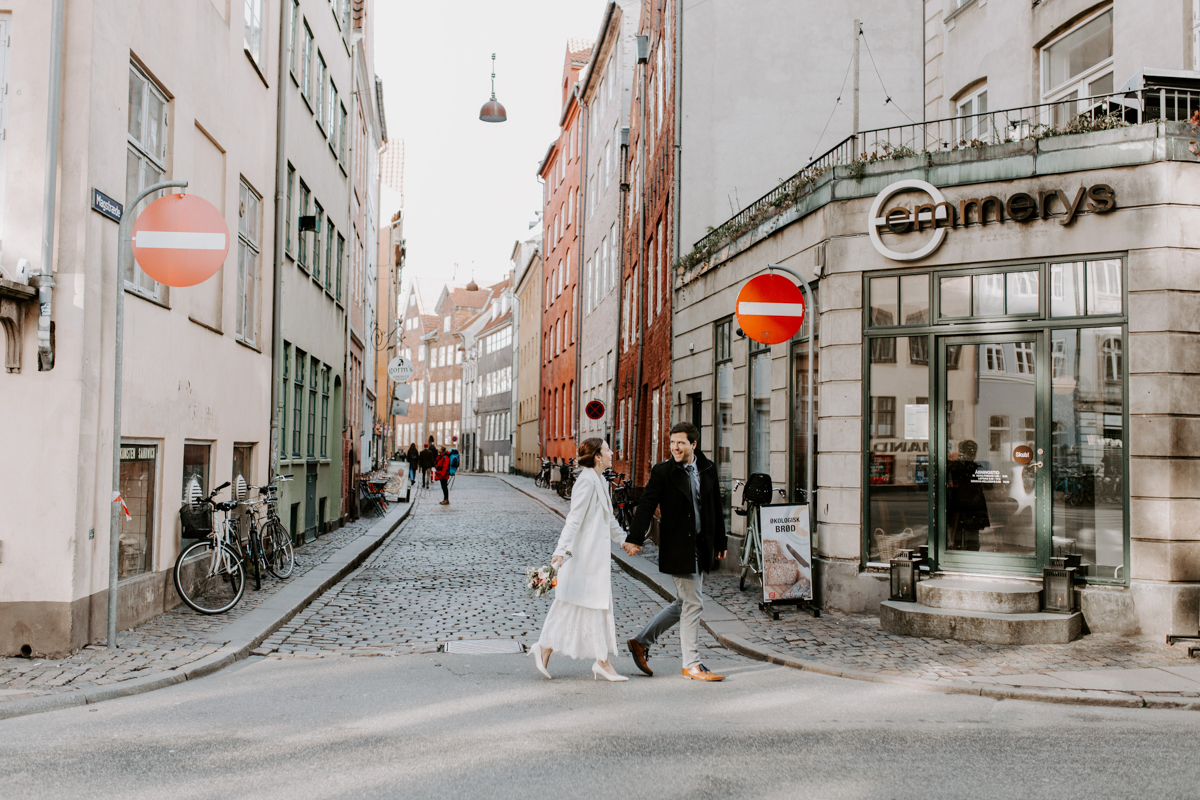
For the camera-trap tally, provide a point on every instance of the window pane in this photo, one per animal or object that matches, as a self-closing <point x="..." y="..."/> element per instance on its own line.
<point x="195" y="470"/>
<point x="956" y="297"/>
<point x="898" y="448"/>
<point x="988" y="295"/>
<point x="1066" y="290"/>
<point x="1023" y="292"/>
<point x="1087" y="449"/>
<point x="1101" y="86"/>
<point x="914" y="299"/>
<point x="885" y="300"/>
<point x="1104" y="286"/>
<point x="154" y="125"/>
<point x="137" y="91"/>
<point x="1078" y="51"/>
<point x="800" y="412"/>
<point x="760" y="412"/>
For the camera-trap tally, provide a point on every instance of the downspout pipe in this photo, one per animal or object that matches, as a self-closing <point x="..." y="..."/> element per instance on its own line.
<point x="640" y="274"/>
<point x="277" y="392"/>
<point x="45" y="278"/>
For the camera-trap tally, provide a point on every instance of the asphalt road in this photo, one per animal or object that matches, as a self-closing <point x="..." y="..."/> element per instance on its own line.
<point x="453" y="726"/>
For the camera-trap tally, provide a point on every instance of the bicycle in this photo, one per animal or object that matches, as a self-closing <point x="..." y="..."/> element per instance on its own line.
<point x="542" y="479"/>
<point x="567" y="481"/>
<point x="622" y="503"/>
<point x="222" y="579"/>
<point x="757" y="493"/>
<point x="270" y="546"/>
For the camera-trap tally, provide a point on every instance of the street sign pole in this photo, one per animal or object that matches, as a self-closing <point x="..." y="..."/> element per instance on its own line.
<point x="808" y="455"/>
<point x="124" y="240"/>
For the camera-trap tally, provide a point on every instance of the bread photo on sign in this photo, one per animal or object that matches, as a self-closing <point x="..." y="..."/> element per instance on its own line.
<point x="780" y="572"/>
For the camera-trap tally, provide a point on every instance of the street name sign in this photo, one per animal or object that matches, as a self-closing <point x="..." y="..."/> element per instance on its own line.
<point x="770" y="309"/>
<point x="400" y="369"/>
<point x="180" y="240"/>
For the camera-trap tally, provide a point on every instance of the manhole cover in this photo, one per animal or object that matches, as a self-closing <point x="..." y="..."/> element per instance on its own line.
<point x="483" y="647"/>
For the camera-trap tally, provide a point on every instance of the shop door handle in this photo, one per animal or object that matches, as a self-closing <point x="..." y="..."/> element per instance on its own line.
<point x="1037" y="464"/>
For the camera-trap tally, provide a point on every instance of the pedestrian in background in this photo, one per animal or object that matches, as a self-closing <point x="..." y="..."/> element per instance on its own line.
<point x="441" y="474"/>
<point x="580" y="622"/>
<point x="426" y="460"/>
<point x="691" y="541"/>
<point x="413" y="457"/>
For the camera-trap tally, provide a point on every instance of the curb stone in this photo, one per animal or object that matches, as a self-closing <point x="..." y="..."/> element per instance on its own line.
<point x="646" y="573"/>
<point x="230" y="653"/>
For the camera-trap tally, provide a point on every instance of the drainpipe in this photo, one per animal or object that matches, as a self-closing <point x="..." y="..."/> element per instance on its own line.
<point x="580" y="232"/>
<point x="277" y="392"/>
<point x="45" y="278"/>
<point x="637" y="286"/>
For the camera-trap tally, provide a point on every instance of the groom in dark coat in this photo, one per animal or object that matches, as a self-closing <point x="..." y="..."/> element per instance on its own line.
<point x="691" y="541"/>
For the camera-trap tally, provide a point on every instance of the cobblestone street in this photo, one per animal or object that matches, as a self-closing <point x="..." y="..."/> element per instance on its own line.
<point x="169" y="641"/>
<point x="457" y="572"/>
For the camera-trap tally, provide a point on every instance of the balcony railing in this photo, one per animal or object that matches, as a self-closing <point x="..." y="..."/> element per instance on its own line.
<point x="1057" y="118"/>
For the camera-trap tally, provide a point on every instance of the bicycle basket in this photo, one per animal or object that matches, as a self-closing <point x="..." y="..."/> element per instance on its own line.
<point x="759" y="489"/>
<point x="197" y="520"/>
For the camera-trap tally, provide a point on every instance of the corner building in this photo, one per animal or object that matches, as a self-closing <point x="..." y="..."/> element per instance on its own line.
<point x="1004" y="325"/>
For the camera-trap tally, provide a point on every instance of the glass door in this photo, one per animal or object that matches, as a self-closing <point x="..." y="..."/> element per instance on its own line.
<point x="992" y="486"/>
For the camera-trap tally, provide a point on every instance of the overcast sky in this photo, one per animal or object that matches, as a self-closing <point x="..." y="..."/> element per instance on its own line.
<point x="470" y="187"/>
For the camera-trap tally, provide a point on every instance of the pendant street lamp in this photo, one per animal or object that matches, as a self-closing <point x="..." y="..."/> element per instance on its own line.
<point x="492" y="111"/>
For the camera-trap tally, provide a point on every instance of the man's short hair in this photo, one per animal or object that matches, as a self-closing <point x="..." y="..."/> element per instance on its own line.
<point x="688" y="428"/>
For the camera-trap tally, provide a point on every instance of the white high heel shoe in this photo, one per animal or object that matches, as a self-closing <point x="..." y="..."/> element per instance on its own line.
<point x="536" y="651"/>
<point x="599" y="672"/>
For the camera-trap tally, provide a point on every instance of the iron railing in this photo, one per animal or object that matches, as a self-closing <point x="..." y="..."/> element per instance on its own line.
<point x="1073" y="115"/>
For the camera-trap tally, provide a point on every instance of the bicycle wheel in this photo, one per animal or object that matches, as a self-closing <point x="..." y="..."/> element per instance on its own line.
<point x="254" y="557"/>
<point x="209" y="577"/>
<point x="284" y="560"/>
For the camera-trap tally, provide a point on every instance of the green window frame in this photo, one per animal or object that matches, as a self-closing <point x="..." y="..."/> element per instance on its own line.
<point x="1101" y="304"/>
<point x="298" y="401"/>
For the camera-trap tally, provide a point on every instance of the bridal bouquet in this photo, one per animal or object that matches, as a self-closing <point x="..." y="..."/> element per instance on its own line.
<point x="540" y="580"/>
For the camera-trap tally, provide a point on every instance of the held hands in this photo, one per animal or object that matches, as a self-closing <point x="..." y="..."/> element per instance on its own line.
<point x="631" y="549"/>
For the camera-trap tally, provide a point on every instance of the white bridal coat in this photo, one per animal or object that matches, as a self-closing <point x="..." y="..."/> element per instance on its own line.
<point x="585" y="580"/>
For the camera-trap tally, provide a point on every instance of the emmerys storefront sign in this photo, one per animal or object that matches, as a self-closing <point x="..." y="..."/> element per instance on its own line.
<point x="935" y="218"/>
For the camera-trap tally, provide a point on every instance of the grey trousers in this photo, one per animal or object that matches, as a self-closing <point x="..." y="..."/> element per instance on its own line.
<point x="685" y="610"/>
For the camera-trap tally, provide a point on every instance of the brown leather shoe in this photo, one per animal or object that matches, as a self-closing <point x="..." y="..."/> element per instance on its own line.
<point x="640" y="652"/>
<point x="701" y="673"/>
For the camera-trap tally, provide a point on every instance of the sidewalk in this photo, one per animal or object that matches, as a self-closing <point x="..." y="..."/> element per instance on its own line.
<point x="181" y="644"/>
<point x="1097" y="669"/>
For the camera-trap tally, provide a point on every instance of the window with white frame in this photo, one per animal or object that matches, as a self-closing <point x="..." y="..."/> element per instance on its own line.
<point x="994" y="357"/>
<point x="1024" y="353"/>
<point x="306" y="65"/>
<point x="248" y="261"/>
<point x="1078" y="65"/>
<point x="319" y="92"/>
<point x="332" y="115"/>
<point x="145" y="164"/>
<point x="253" y="31"/>
<point x="972" y="124"/>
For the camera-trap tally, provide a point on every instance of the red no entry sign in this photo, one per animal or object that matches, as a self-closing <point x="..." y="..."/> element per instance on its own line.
<point x="594" y="409"/>
<point x="770" y="309"/>
<point x="180" y="240"/>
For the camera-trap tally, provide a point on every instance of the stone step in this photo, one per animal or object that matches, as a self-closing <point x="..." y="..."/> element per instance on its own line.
<point x="915" y="619"/>
<point x="978" y="595"/>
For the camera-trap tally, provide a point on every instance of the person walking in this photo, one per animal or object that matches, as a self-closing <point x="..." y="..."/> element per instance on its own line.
<point x="441" y="474"/>
<point x="580" y="621"/>
<point x="426" y="461"/>
<point x="691" y="541"/>
<point x="413" y="457"/>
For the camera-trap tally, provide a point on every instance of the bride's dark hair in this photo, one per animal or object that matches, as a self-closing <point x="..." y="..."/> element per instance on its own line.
<point x="588" y="450"/>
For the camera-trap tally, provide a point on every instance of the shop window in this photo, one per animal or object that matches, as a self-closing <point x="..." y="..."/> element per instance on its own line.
<point x="760" y="410"/>
<point x="196" y="473"/>
<point x="897" y="450"/>
<point x="987" y="295"/>
<point x="956" y="296"/>
<point x="914" y="299"/>
<point x="138" y="470"/>
<point x="1087" y="451"/>
<point x="1022" y="293"/>
<point x="885" y="301"/>
<point x="1078" y="65"/>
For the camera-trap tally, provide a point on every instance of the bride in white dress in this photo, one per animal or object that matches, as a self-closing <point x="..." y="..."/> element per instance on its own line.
<point x="580" y="622"/>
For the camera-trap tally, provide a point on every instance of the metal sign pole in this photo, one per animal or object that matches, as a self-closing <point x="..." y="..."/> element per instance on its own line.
<point x="114" y="518"/>
<point x="810" y="312"/>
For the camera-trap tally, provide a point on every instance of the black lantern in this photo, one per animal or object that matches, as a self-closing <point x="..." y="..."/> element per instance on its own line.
<point x="905" y="573"/>
<point x="1058" y="587"/>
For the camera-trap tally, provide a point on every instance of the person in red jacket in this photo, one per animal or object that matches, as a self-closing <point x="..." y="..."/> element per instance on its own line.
<point x="441" y="474"/>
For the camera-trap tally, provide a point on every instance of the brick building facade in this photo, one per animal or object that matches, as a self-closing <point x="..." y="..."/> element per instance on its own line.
<point x="644" y="363"/>
<point x="560" y="172"/>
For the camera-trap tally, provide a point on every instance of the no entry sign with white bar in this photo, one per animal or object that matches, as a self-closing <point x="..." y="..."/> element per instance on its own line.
<point x="770" y="309"/>
<point x="180" y="240"/>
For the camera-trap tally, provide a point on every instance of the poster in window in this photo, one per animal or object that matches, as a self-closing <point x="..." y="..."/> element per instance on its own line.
<point x="787" y="553"/>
